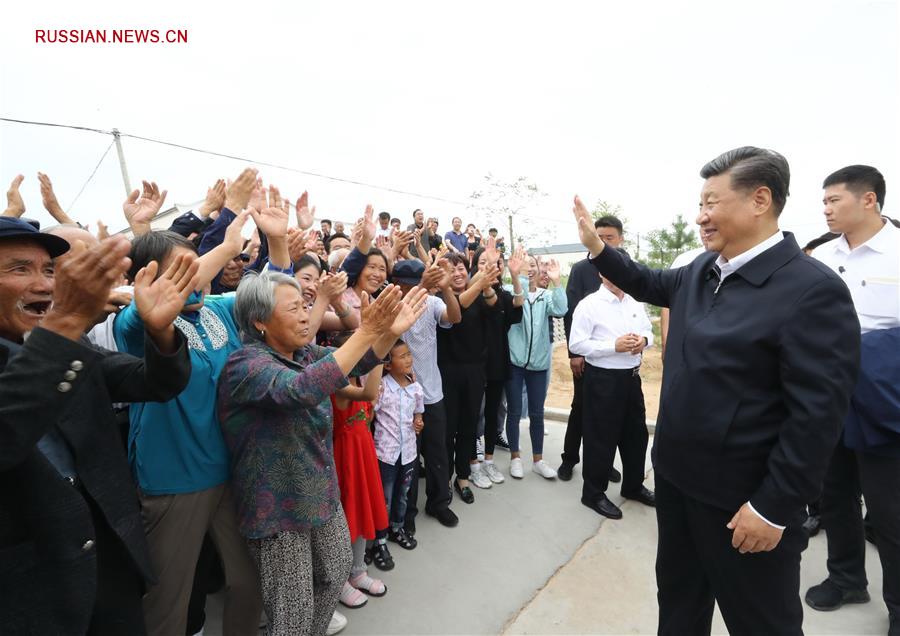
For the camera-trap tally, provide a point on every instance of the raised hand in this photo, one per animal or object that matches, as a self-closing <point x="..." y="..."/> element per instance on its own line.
<point x="141" y="207"/>
<point x="491" y="253"/>
<point x="215" y="199"/>
<point x="446" y="274"/>
<point x="305" y="215"/>
<point x="517" y="261"/>
<point x="411" y="309"/>
<point x="237" y="193"/>
<point x="160" y="300"/>
<point x="48" y="197"/>
<point x="488" y="276"/>
<point x="586" y="231"/>
<point x="15" y="206"/>
<point x="233" y="238"/>
<point x="553" y="271"/>
<point x="272" y="219"/>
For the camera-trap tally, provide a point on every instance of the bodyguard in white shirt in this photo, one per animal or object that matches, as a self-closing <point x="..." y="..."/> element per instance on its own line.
<point x="867" y="459"/>
<point x="611" y="329"/>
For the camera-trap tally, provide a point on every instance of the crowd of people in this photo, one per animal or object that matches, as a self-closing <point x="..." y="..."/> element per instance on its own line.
<point x="191" y="410"/>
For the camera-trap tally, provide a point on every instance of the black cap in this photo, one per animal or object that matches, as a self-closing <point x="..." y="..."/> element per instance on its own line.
<point x="408" y="272"/>
<point x="13" y="228"/>
<point x="187" y="224"/>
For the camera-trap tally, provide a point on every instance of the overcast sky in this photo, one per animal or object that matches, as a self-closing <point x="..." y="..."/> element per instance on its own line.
<point x="622" y="101"/>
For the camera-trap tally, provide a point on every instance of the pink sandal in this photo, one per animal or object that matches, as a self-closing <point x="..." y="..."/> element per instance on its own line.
<point x="351" y="597"/>
<point x="365" y="583"/>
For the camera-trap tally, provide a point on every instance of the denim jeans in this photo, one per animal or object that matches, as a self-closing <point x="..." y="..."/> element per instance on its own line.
<point x="535" y="383"/>
<point x="396" y="479"/>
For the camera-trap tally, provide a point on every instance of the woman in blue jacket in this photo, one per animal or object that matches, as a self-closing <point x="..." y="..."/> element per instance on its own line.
<point x="529" y="351"/>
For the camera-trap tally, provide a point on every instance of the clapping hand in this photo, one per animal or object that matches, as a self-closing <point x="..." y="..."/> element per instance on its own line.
<point x="160" y="301"/>
<point x="411" y="309"/>
<point x="237" y="193"/>
<point x="553" y="271"/>
<point x="15" y="205"/>
<point x="272" y="219"/>
<point x="215" y="199"/>
<point x="377" y="317"/>
<point x="332" y="286"/>
<point x="517" y="261"/>
<point x="48" y="197"/>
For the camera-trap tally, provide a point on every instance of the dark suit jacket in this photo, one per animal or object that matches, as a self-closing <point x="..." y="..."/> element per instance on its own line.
<point x="757" y="377"/>
<point x="583" y="281"/>
<point x="48" y="563"/>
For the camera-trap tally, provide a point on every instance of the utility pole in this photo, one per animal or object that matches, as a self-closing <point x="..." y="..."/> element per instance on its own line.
<point x="512" y="238"/>
<point x="125" y="179"/>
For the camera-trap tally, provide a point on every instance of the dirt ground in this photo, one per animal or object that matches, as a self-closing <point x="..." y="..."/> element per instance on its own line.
<point x="560" y="394"/>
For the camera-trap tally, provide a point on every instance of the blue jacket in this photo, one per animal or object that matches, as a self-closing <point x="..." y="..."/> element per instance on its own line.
<point x="873" y="422"/>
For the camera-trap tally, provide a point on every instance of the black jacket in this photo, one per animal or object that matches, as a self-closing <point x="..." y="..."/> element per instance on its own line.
<point x="757" y="378"/>
<point x="583" y="281"/>
<point x="47" y="553"/>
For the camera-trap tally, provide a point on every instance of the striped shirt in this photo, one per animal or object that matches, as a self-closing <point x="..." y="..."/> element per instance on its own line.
<point x="421" y="339"/>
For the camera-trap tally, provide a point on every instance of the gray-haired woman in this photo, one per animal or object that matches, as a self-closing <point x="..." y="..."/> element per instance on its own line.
<point x="274" y="408"/>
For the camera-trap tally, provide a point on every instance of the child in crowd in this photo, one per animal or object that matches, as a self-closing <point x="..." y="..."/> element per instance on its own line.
<point x="360" y="483"/>
<point x="398" y="419"/>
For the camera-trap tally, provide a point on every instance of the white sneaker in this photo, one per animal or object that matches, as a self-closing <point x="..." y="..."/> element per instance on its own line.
<point x="515" y="468"/>
<point x="479" y="449"/>
<point x="337" y="623"/>
<point x="479" y="478"/>
<point x="543" y="469"/>
<point x="493" y="473"/>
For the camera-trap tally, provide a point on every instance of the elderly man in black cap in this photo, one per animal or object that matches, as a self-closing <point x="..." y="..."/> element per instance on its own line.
<point x="74" y="553"/>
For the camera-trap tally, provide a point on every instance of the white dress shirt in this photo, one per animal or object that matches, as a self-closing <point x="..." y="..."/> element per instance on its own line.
<point x="872" y="272"/>
<point x="601" y="318"/>
<point x="729" y="267"/>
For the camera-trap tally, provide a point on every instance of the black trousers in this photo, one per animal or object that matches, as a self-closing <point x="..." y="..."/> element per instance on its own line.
<point x="572" y="443"/>
<point x="613" y="415"/>
<point x="432" y="446"/>
<point x="120" y="587"/>
<point x="877" y="478"/>
<point x="463" y="391"/>
<point x="493" y="398"/>
<point x="696" y="567"/>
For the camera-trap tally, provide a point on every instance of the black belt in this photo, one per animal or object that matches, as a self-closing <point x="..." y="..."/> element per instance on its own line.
<point x="636" y="371"/>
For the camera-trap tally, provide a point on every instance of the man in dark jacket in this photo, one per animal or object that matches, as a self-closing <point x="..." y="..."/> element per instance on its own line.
<point x="762" y="358"/>
<point x="74" y="557"/>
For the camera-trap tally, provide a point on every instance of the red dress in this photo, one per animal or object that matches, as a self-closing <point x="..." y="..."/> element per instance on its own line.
<point x="357" y="469"/>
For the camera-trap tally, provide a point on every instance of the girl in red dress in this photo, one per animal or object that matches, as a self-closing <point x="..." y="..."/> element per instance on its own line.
<point x="362" y="495"/>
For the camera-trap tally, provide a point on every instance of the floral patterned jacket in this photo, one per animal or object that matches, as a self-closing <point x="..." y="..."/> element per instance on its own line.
<point x="276" y="419"/>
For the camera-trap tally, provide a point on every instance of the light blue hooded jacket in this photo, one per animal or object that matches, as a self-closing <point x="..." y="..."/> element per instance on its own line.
<point x="529" y="340"/>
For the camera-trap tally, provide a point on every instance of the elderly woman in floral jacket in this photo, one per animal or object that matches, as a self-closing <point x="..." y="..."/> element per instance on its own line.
<point x="275" y="413"/>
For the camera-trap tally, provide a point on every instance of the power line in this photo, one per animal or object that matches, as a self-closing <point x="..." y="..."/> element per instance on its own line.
<point x="213" y="153"/>
<point x="97" y="167"/>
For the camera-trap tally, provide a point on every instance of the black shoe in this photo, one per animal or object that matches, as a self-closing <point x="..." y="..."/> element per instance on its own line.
<point x="564" y="471"/>
<point x="381" y="556"/>
<point x="644" y="496"/>
<point x="614" y="475"/>
<point x="465" y="493"/>
<point x="402" y="539"/>
<point x="827" y="597"/>
<point x="811" y="525"/>
<point x="445" y="516"/>
<point x="501" y="442"/>
<point x="604" y="507"/>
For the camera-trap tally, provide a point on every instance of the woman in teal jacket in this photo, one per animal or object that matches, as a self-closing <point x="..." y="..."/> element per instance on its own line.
<point x="529" y="351"/>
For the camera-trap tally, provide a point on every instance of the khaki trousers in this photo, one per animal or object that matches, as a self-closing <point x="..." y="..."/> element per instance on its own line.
<point x="175" y="526"/>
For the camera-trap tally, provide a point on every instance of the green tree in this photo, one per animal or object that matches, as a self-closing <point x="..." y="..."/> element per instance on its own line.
<point x="663" y="245"/>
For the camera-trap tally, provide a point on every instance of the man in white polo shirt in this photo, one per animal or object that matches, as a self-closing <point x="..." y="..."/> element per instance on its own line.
<point x="867" y="459"/>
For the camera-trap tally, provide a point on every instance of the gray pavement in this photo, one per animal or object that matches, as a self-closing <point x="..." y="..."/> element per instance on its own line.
<point x="528" y="558"/>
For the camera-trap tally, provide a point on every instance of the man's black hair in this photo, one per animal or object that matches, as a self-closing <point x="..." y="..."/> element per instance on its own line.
<point x="609" y="220"/>
<point x="417" y="210"/>
<point x="396" y="220"/>
<point x="331" y="237"/>
<point x="384" y="215"/>
<point x="328" y="221"/>
<point x="154" y="246"/>
<point x="820" y="240"/>
<point x="752" y="167"/>
<point x="859" y="179"/>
